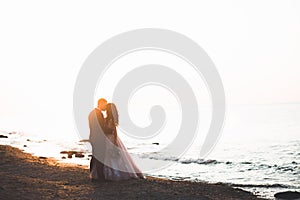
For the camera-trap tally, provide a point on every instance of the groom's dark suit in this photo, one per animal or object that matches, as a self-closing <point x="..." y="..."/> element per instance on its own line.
<point x="97" y="140"/>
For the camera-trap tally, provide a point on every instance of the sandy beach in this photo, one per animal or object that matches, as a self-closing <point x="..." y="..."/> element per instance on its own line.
<point x="24" y="176"/>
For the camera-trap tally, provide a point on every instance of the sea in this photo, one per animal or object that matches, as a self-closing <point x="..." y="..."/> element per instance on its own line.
<point x="258" y="150"/>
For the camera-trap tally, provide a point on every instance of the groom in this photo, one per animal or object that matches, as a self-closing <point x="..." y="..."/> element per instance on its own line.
<point x="97" y="140"/>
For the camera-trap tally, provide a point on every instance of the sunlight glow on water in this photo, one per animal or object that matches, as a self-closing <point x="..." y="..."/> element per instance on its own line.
<point x="258" y="151"/>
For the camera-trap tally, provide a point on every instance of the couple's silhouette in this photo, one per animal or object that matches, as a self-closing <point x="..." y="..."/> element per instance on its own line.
<point x="110" y="159"/>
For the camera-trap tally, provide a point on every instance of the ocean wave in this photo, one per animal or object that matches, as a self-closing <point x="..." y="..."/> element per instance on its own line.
<point x="199" y="161"/>
<point x="276" y="185"/>
<point x="183" y="161"/>
<point x="290" y="167"/>
<point x="175" y="159"/>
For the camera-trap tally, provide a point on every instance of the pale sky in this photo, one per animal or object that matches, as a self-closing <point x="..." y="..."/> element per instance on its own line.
<point x="255" y="46"/>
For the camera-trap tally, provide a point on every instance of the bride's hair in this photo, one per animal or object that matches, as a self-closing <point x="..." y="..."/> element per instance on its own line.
<point x="112" y="113"/>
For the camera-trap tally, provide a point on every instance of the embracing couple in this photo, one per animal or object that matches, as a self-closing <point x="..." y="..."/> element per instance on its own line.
<point x="110" y="159"/>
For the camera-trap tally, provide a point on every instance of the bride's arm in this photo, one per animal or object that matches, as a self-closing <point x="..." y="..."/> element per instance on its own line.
<point x="115" y="136"/>
<point x="113" y="129"/>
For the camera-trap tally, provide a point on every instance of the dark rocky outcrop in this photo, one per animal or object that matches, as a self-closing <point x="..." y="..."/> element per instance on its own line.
<point x="78" y="154"/>
<point x="291" y="195"/>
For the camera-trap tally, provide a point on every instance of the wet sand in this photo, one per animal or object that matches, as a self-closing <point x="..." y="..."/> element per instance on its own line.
<point x="23" y="176"/>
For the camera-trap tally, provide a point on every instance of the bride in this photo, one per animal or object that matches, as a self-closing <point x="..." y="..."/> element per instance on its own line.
<point x="118" y="164"/>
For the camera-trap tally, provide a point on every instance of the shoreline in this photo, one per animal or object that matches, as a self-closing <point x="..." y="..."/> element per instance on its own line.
<point x="24" y="176"/>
